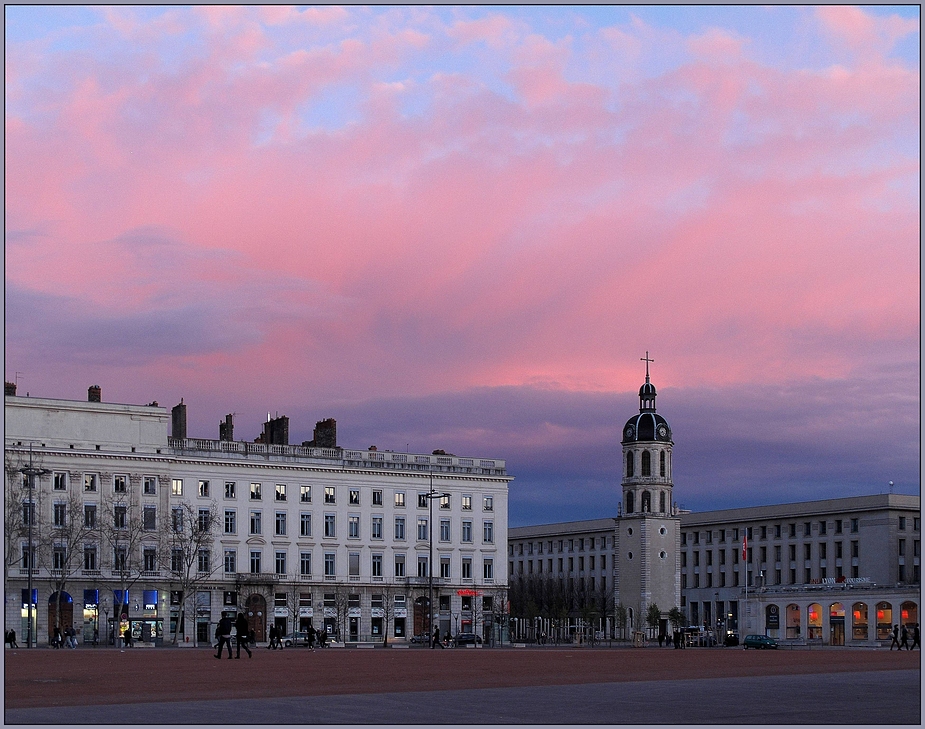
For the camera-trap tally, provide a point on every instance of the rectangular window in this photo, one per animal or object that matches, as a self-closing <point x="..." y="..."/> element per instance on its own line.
<point x="793" y="530"/>
<point x="822" y="550"/>
<point x="467" y="530"/>
<point x="777" y="531"/>
<point x="149" y="486"/>
<point x="305" y="563"/>
<point x="488" y="572"/>
<point x="444" y="530"/>
<point x="353" y="526"/>
<point x="205" y="520"/>
<point x="280" y="563"/>
<point x="118" y="517"/>
<point x="305" y="494"/>
<point x="399" y="565"/>
<point x="353" y="565"/>
<point x="176" y="487"/>
<point x="203" y="488"/>
<point x="902" y="547"/>
<point x="376" y="565"/>
<point x="444" y="502"/>
<point x="466" y="503"/>
<point x="90" y="482"/>
<point x="256" y="522"/>
<point x="854" y="525"/>
<point x="807" y="551"/>
<point x="400" y="499"/>
<point x="466" y="568"/>
<point x="329" y="497"/>
<point x="176" y="560"/>
<point x="838" y="523"/>
<point x="445" y="568"/>
<point x="354" y="497"/>
<point x="822" y="526"/>
<point x="422" y="501"/>
<point x="330" y="532"/>
<point x="229" y="489"/>
<point x="377" y="528"/>
<point x="400" y="528"/>
<point x="280" y="492"/>
<point x="377" y="497"/>
<point x="807" y="529"/>
<point x="902" y="523"/>
<point x="231" y="521"/>
<point x="60" y="481"/>
<point x="793" y="552"/>
<point x="255" y="561"/>
<point x="89" y="515"/>
<point x="149" y="518"/>
<point x="855" y="550"/>
<point x="488" y="503"/>
<point x="329" y="564"/>
<point x="176" y="519"/>
<point x="118" y="484"/>
<point x="422" y="528"/>
<point x="488" y="532"/>
<point x="89" y="558"/>
<point x="255" y="492"/>
<point x="231" y="561"/>
<point x="305" y="525"/>
<point x="204" y="560"/>
<point x="422" y="565"/>
<point x="281" y="523"/>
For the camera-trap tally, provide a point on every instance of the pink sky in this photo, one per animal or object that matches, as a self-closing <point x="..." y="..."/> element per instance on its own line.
<point x="311" y="211"/>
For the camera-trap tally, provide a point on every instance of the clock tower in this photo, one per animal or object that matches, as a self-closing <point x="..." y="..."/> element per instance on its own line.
<point x="648" y="534"/>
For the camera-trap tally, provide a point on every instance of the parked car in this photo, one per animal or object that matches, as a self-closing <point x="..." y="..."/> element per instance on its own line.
<point x="420" y="638"/>
<point x="468" y="639"/>
<point x="759" y="641"/>
<point x="297" y="638"/>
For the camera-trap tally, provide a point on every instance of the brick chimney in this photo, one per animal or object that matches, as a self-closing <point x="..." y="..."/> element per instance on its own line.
<point x="226" y="429"/>
<point x="178" y="421"/>
<point x="9" y="388"/>
<point x="276" y="431"/>
<point x="94" y="394"/>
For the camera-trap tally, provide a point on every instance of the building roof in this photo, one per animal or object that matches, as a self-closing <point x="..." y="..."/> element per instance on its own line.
<point x="561" y="528"/>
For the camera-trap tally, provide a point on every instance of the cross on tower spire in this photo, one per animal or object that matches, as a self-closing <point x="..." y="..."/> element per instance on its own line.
<point x="646" y="360"/>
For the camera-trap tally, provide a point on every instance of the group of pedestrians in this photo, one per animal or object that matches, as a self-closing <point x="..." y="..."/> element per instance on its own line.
<point x="68" y="639"/>
<point x="901" y="638"/>
<point x="9" y="638"/>
<point x="242" y="635"/>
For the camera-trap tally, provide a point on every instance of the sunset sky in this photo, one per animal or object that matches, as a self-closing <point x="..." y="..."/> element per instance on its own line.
<point x="462" y="227"/>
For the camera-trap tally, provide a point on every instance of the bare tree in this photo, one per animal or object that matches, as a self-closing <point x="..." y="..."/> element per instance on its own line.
<point x="388" y="591"/>
<point x="188" y="537"/>
<point x="121" y="528"/>
<point x="62" y="542"/>
<point x="16" y="514"/>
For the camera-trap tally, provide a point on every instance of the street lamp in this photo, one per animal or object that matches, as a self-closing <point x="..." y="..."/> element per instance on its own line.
<point x="105" y="602"/>
<point x="431" y="495"/>
<point x="31" y="471"/>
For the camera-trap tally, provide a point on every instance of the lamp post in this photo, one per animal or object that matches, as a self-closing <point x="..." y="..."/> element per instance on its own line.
<point x="105" y="602"/>
<point x="431" y="495"/>
<point x="31" y="472"/>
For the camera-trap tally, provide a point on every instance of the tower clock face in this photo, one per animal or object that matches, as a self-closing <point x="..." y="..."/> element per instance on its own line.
<point x="629" y="431"/>
<point x="662" y="431"/>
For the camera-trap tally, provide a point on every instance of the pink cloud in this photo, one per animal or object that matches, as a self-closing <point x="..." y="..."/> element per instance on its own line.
<point x="862" y="32"/>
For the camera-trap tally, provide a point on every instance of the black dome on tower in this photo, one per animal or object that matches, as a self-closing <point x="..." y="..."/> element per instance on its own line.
<point x="648" y="425"/>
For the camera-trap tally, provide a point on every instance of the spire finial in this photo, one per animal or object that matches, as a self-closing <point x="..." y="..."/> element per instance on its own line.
<point x="646" y="360"/>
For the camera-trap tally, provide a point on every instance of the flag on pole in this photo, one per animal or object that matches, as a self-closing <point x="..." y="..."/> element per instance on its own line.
<point x="745" y="547"/>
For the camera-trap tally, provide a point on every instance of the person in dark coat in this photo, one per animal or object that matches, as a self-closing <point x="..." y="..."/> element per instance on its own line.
<point x="435" y="641"/>
<point x="895" y="640"/>
<point x="240" y="628"/>
<point x="223" y="631"/>
<point x="127" y="637"/>
<point x="915" y="637"/>
<point x="56" y="638"/>
<point x="311" y="636"/>
<point x="904" y="632"/>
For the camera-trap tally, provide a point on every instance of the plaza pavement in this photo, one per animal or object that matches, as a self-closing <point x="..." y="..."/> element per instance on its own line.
<point x="501" y="686"/>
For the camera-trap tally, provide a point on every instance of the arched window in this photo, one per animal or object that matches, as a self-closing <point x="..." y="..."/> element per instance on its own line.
<point x="629" y="463"/>
<point x="661" y="464"/>
<point x="646" y="463"/>
<point x="859" y="621"/>
<point x="646" y="504"/>
<point x="661" y="502"/>
<point x="629" y="502"/>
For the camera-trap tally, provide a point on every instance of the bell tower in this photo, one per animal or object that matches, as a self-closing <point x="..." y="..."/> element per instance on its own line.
<point x="648" y="533"/>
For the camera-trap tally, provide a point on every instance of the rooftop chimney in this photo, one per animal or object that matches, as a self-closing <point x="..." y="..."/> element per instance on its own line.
<point x="178" y="424"/>
<point x="94" y="394"/>
<point x="226" y="429"/>
<point x="325" y="435"/>
<point x="276" y="431"/>
<point x="9" y="388"/>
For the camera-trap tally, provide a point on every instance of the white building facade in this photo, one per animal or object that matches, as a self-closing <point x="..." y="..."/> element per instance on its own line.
<point x="355" y="541"/>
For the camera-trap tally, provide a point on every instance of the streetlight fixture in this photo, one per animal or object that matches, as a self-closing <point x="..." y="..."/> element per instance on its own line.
<point x="105" y="602"/>
<point x="431" y="495"/>
<point x="31" y="471"/>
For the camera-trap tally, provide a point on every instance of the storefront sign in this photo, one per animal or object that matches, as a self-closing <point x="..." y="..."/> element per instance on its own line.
<point x="401" y="612"/>
<point x="377" y="612"/>
<point x="330" y="612"/>
<point x="280" y="612"/>
<point x="353" y="612"/>
<point x="469" y="593"/>
<point x="773" y="617"/>
<point x="306" y="612"/>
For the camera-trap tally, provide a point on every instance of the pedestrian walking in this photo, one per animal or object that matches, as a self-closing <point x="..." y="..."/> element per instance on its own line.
<point x="71" y="639"/>
<point x="895" y="640"/>
<point x="274" y="638"/>
<point x="14" y="644"/>
<point x="904" y="633"/>
<point x="435" y="641"/>
<point x="56" y="638"/>
<point x="127" y="637"/>
<point x="312" y="633"/>
<point x="223" y="631"/>
<point x="240" y="628"/>
<point x="915" y="637"/>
